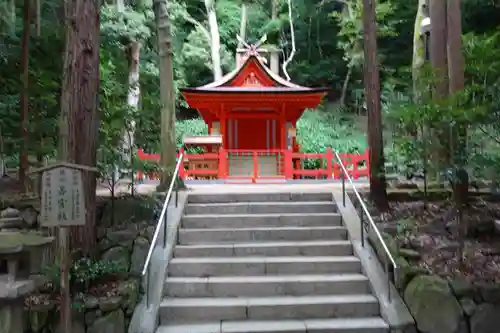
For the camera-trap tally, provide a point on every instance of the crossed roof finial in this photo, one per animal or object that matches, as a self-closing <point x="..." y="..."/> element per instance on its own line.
<point x="252" y="49"/>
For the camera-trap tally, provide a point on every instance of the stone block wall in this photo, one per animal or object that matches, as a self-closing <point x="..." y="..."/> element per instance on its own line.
<point x="125" y="230"/>
<point x="439" y="305"/>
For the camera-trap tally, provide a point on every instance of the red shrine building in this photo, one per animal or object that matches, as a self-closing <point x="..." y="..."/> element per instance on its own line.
<point x="252" y="114"/>
<point x="253" y="109"/>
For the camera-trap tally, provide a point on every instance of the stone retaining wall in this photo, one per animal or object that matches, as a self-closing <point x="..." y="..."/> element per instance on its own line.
<point x="439" y="305"/>
<point x="123" y="237"/>
<point x="90" y="314"/>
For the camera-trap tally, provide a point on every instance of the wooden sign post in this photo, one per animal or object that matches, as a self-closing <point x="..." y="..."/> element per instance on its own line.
<point x="63" y="206"/>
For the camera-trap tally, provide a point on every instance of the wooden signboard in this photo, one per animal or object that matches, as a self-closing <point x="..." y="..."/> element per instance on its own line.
<point x="63" y="202"/>
<point x="63" y="196"/>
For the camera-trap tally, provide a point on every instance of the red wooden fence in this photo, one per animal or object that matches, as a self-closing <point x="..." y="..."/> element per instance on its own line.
<point x="253" y="165"/>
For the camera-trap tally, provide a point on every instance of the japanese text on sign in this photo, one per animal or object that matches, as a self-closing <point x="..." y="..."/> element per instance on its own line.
<point x="62" y="198"/>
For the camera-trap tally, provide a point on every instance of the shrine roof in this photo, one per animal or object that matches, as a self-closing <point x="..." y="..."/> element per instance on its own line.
<point x="265" y="81"/>
<point x="258" y="90"/>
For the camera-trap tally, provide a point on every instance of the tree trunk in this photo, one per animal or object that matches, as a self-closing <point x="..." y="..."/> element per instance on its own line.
<point x="456" y="69"/>
<point x="243" y="25"/>
<point x="274" y="60"/>
<point x="3" y="167"/>
<point x="378" y="184"/>
<point x="167" y="94"/>
<point x="293" y="50"/>
<point x="343" y="96"/>
<point x="455" y="56"/>
<point x="133" y="96"/>
<point x="418" y="59"/>
<point x="8" y="11"/>
<point x="120" y="5"/>
<point x="437" y="10"/>
<point x="24" y="99"/>
<point x="456" y="84"/>
<point x="438" y="41"/>
<point x="79" y="106"/>
<point x="214" y="39"/>
<point x="38" y="21"/>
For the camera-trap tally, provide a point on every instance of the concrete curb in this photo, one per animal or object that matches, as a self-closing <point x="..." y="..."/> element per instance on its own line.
<point x="144" y="319"/>
<point x="394" y="312"/>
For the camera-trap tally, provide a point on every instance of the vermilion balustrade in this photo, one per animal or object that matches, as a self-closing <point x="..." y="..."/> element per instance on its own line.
<point x="256" y="165"/>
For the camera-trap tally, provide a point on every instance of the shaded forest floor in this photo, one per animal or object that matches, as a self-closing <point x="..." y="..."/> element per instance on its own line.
<point x="427" y="235"/>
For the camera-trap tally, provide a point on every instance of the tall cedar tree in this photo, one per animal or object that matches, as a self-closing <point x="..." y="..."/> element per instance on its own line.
<point x="79" y="105"/>
<point x="24" y="102"/>
<point x="378" y="186"/>
<point x="167" y="93"/>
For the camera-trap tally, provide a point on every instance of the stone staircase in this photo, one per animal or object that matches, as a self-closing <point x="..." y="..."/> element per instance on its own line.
<point x="274" y="262"/>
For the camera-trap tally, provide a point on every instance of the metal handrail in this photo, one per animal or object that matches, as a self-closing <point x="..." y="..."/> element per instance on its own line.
<point x="364" y="212"/>
<point x="162" y="221"/>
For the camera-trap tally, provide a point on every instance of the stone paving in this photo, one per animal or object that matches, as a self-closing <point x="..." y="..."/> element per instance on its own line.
<point x="150" y="187"/>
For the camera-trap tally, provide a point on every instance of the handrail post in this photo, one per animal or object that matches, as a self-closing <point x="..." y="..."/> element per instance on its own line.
<point x="388" y="279"/>
<point x="148" y="277"/>
<point x="177" y="192"/>
<point x="361" y="215"/>
<point x="343" y="189"/>
<point x="165" y="226"/>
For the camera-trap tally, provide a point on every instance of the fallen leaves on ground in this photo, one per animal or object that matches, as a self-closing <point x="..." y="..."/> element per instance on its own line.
<point x="432" y="230"/>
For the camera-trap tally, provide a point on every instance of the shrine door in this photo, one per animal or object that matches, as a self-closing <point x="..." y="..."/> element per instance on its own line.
<point x="250" y="140"/>
<point x="253" y="134"/>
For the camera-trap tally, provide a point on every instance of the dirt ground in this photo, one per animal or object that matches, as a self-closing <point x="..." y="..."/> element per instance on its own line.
<point x="428" y="234"/>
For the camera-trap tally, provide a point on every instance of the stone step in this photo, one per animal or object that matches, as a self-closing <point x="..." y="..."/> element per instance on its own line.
<point x="240" y="266"/>
<point x="261" y="220"/>
<point x="335" y="325"/>
<point x="230" y="235"/>
<point x="261" y="207"/>
<point x="191" y="310"/>
<point x="257" y="197"/>
<point x="311" y="248"/>
<point x="268" y="285"/>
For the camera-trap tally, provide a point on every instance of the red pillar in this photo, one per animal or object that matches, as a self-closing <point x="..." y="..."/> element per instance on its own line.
<point x="329" y="163"/>
<point x="223" y="172"/>
<point x="288" y="164"/>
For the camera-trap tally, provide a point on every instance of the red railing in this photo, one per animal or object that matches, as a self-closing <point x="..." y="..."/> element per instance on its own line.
<point x="264" y="165"/>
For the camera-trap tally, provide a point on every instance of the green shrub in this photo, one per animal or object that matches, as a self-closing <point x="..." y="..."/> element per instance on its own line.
<point x="189" y="127"/>
<point x="84" y="272"/>
<point x="317" y="131"/>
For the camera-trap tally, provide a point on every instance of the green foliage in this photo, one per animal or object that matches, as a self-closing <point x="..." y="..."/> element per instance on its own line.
<point x="189" y="127"/>
<point x="350" y="20"/>
<point x="318" y="131"/>
<point x="436" y="121"/>
<point x="85" y="272"/>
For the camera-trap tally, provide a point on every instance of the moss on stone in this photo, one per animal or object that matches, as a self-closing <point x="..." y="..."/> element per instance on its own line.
<point x="433" y="305"/>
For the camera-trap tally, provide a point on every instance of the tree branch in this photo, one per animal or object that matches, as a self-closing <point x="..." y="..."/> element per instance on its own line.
<point x="196" y="23"/>
<point x="292" y="53"/>
<point x="481" y="128"/>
